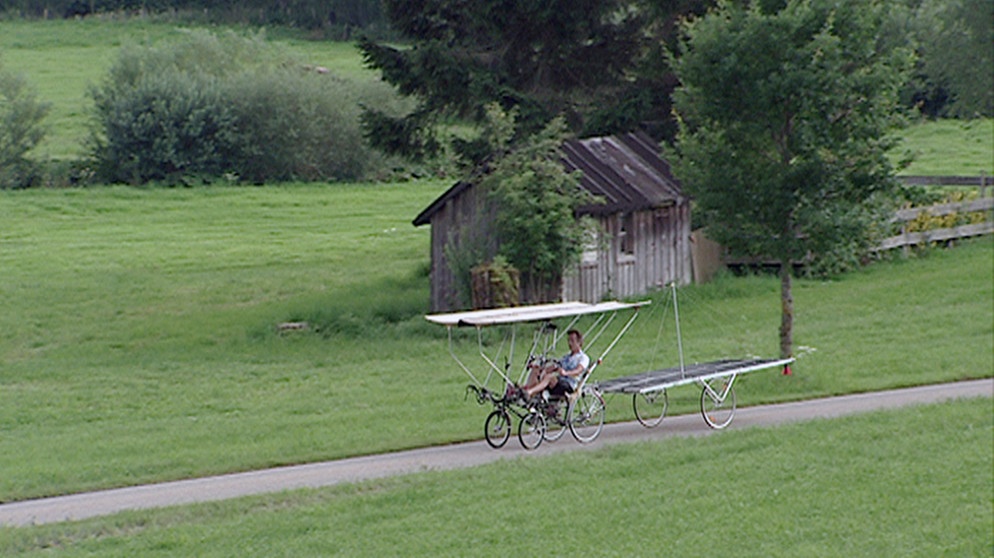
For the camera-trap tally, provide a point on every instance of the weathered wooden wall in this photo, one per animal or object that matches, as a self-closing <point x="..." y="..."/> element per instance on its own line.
<point x="459" y="223"/>
<point x="644" y="251"/>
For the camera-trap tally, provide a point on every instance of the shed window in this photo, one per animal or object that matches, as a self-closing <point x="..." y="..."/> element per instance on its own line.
<point x="626" y="234"/>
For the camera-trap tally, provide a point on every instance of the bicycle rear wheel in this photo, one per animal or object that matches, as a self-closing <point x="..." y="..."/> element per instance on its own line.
<point x="586" y="416"/>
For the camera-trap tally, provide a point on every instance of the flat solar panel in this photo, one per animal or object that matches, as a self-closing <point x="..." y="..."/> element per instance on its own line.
<point x="666" y="378"/>
<point x="532" y="313"/>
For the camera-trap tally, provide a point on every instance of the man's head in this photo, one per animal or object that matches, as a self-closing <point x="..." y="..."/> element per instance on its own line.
<point x="574" y="338"/>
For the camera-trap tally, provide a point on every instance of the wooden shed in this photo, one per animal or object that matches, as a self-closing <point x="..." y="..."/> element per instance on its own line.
<point x="642" y="242"/>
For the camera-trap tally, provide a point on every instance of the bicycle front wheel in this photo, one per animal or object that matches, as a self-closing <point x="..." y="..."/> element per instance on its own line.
<point x="497" y="429"/>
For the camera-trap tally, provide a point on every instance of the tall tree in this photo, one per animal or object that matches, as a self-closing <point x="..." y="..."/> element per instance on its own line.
<point x="545" y="59"/>
<point x="783" y="113"/>
<point x="956" y="40"/>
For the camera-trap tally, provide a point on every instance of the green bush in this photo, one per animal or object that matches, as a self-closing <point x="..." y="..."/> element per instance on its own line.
<point x="296" y="125"/>
<point x="21" y="115"/>
<point x="165" y="128"/>
<point x="228" y="106"/>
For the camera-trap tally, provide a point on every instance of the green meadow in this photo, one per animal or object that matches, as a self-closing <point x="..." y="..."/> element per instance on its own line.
<point x="950" y="148"/>
<point x="914" y="482"/>
<point x="139" y="337"/>
<point x="140" y="341"/>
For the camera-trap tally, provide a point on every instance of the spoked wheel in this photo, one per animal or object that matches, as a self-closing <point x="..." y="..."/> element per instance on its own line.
<point x="555" y="420"/>
<point x="586" y="416"/>
<point x="718" y="403"/>
<point x="497" y="428"/>
<point x="531" y="430"/>
<point x="650" y="408"/>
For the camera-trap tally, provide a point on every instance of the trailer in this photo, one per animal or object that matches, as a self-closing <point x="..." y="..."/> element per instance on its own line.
<point x="717" y="381"/>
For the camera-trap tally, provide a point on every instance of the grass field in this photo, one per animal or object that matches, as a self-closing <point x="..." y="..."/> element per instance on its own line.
<point x="139" y="343"/>
<point x="912" y="483"/>
<point x="138" y="340"/>
<point x="950" y="148"/>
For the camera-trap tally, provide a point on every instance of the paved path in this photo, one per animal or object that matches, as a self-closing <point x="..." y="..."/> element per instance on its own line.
<point x="82" y="506"/>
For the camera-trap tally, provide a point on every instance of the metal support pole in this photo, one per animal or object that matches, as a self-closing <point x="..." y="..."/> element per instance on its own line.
<point x="679" y="338"/>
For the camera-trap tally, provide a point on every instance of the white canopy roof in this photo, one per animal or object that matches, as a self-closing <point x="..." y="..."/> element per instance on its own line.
<point x="534" y="313"/>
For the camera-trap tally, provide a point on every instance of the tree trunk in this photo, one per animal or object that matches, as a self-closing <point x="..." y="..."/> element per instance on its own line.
<point x="787" y="311"/>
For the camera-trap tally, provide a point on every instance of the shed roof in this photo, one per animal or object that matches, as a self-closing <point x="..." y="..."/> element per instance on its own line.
<point x="626" y="171"/>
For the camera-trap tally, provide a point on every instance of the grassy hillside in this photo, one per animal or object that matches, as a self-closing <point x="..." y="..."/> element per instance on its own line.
<point x="949" y="148"/>
<point x="138" y="334"/>
<point x="62" y="59"/>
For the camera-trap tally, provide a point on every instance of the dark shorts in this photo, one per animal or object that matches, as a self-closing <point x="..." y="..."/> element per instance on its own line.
<point x="564" y="385"/>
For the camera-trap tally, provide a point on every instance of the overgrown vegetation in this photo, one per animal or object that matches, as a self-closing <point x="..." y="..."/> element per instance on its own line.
<point x="225" y="106"/>
<point x="536" y="203"/>
<point x="952" y="39"/>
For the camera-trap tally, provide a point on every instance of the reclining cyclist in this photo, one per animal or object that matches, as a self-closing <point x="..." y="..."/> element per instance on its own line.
<point x="559" y="377"/>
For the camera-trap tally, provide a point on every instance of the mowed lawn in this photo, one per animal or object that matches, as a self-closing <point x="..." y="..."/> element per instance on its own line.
<point x="913" y="482"/>
<point x="139" y="342"/>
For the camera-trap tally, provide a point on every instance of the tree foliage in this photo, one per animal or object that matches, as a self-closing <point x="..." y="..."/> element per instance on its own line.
<point x="21" y="129"/>
<point x="536" y="200"/>
<point x="956" y="42"/>
<point x="784" y="114"/>
<point x="544" y="59"/>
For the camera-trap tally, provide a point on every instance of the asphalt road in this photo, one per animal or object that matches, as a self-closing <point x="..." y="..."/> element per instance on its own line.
<point x="93" y="504"/>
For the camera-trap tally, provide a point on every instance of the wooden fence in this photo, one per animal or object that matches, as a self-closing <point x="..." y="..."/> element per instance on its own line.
<point x="908" y="238"/>
<point x="983" y="181"/>
<point x="905" y="239"/>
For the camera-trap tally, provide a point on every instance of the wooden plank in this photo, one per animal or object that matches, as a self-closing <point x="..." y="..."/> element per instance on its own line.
<point x="981" y="180"/>
<point x="936" y="235"/>
<point x="981" y="204"/>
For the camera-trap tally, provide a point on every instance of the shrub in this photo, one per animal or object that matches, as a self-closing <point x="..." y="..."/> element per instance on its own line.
<point x="21" y="115"/>
<point x="295" y="125"/>
<point x="165" y="129"/>
<point x="214" y="106"/>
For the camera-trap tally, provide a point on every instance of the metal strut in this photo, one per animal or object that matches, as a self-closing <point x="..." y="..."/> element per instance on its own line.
<point x="679" y="338"/>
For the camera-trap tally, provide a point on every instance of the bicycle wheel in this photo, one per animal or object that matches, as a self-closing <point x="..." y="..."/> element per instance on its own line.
<point x="650" y="408"/>
<point x="497" y="429"/>
<point x="586" y="416"/>
<point x="531" y="430"/>
<point x="718" y="412"/>
<point x="555" y="420"/>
